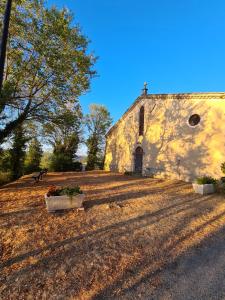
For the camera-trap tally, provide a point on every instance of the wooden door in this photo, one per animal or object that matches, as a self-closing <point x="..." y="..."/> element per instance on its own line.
<point x="138" y="160"/>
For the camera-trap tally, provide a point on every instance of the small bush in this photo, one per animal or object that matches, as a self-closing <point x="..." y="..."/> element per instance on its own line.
<point x="128" y="173"/>
<point x="206" y="180"/>
<point x="4" y="178"/>
<point x="54" y="191"/>
<point x="71" y="191"/>
<point x="61" y="162"/>
<point x="77" y="166"/>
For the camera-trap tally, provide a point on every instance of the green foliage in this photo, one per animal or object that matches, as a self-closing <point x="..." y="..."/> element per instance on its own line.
<point x="206" y="180"/>
<point x="45" y="162"/>
<point x="223" y="167"/>
<point x="63" y="133"/>
<point x="17" y="153"/>
<point x="71" y="191"/>
<point x="54" y="191"/>
<point x="77" y="166"/>
<point x="5" y="177"/>
<point x="60" y="162"/>
<point x="5" y="167"/>
<point x="33" y="157"/>
<point x="48" y="64"/>
<point x="93" y="150"/>
<point x="5" y="164"/>
<point x="98" y="121"/>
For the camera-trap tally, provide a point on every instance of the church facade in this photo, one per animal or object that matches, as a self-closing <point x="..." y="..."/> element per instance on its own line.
<point x="177" y="136"/>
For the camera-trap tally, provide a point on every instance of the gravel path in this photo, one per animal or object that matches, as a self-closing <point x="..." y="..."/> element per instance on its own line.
<point x="198" y="275"/>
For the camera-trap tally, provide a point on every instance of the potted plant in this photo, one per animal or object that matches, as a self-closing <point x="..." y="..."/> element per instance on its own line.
<point x="204" y="185"/>
<point x="63" y="198"/>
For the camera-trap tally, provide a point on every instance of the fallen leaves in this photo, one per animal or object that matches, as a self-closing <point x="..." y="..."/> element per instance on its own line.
<point x="130" y="230"/>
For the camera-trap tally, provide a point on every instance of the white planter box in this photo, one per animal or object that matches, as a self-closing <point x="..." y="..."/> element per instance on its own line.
<point x="204" y="189"/>
<point x="54" y="203"/>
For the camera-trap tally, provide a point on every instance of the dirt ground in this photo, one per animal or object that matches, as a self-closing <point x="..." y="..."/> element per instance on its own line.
<point x="138" y="238"/>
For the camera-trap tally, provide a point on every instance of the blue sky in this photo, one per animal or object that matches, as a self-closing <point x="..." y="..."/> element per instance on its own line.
<point x="176" y="46"/>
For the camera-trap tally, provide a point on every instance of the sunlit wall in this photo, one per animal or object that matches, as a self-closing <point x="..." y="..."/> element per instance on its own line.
<point x="172" y="147"/>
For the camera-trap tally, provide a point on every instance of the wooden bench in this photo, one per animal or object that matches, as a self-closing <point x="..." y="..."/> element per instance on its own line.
<point x="39" y="176"/>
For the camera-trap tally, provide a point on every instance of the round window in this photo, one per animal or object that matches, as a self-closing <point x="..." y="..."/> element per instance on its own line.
<point x="194" y="120"/>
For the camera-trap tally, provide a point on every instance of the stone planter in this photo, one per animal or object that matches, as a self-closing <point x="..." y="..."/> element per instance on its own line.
<point x="204" y="189"/>
<point x="54" y="203"/>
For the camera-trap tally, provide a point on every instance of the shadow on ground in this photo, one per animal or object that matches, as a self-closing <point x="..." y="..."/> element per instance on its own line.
<point x="139" y="238"/>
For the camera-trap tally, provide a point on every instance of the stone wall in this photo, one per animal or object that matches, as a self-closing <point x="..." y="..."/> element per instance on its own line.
<point x="172" y="148"/>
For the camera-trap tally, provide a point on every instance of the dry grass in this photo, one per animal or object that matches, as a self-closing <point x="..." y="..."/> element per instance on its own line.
<point x="132" y="229"/>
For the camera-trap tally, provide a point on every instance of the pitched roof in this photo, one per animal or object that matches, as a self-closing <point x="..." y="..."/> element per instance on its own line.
<point x="218" y="95"/>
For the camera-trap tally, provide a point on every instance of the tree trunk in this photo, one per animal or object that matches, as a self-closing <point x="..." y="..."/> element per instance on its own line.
<point x="11" y="126"/>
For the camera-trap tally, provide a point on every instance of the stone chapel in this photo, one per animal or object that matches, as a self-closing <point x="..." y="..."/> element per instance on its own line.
<point x="177" y="136"/>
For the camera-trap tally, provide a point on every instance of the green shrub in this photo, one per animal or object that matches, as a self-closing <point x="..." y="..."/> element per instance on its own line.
<point x="69" y="191"/>
<point x="77" y="166"/>
<point x="46" y="160"/>
<point x="206" y="180"/>
<point x="33" y="157"/>
<point x="5" y="165"/>
<point x="128" y="173"/>
<point x="61" y="162"/>
<point x="4" y="178"/>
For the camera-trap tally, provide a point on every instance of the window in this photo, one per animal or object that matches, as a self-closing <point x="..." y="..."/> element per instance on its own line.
<point x="141" y="120"/>
<point x="194" y="120"/>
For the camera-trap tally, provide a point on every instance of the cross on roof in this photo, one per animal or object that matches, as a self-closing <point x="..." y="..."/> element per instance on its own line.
<point x="145" y="89"/>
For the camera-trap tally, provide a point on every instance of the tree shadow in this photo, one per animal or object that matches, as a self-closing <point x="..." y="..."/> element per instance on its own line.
<point x="134" y="222"/>
<point x="171" y="147"/>
<point x="93" y="258"/>
<point x="132" y="195"/>
<point x="18" y="213"/>
<point x="141" y="278"/>
<point x="115" y="232"/>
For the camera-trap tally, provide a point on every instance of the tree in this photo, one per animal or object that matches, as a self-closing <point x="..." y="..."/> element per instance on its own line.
<point x="46" y="160"/>
<point x="64" y="134"/>
<point x="47" y="64"/>
<point x="98" y="121"/>
<point x="5" y="165"/>
<point x="33" y="157"/>
<point x="17" y="153"/>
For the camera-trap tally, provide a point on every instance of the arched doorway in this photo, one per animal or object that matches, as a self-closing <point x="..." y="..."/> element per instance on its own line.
<point x="138" y="160"/>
